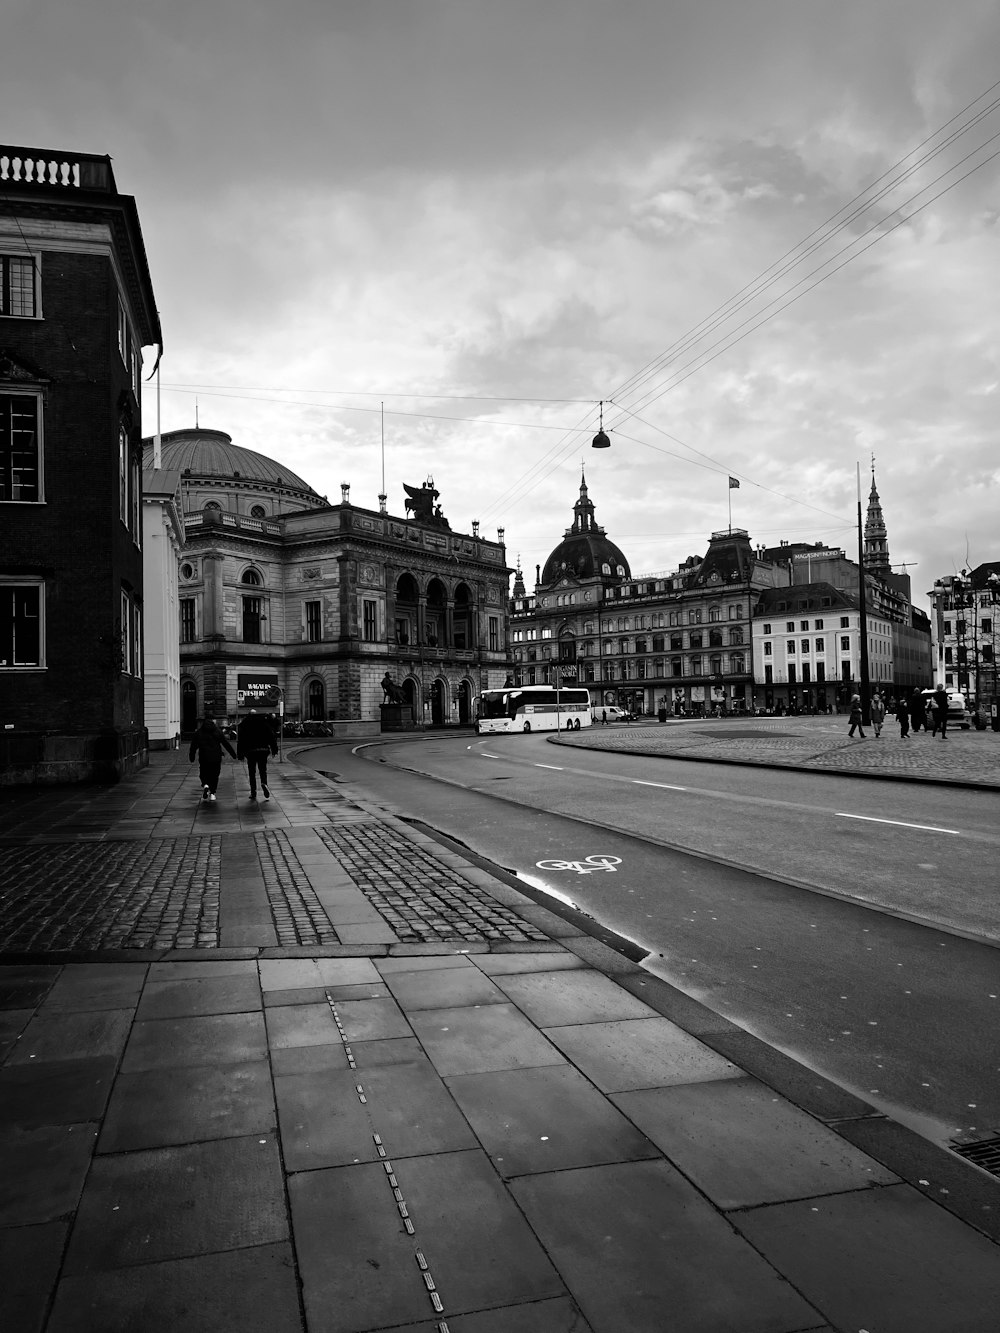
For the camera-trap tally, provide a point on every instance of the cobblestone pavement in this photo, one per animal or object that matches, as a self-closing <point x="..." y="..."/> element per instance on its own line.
<point x="424" y="901"/>
<point x="819" y="743"/>
<point x="110" y="895"/>
<point x="98" y="877"/>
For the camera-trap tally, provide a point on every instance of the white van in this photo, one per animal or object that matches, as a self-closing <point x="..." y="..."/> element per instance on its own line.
<point x="614" y="714"/>
<point x="958" y="712"/>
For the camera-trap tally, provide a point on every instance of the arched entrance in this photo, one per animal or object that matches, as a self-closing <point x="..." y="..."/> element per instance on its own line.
<point x="189" y="706"/>
<point x="464" y="704"/>
<point x="315" y="701"/>
<point x="409" y="688"/>
<point x="437" y="704"/>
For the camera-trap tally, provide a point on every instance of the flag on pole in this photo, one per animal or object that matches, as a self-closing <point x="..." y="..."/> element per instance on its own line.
<point x="734" y="483"/>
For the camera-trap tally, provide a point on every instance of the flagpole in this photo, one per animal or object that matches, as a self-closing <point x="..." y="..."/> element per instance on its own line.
<point x="729" y="493"/>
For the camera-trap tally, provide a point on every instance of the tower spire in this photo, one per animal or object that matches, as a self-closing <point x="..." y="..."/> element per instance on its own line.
<point x="876" y="547"/>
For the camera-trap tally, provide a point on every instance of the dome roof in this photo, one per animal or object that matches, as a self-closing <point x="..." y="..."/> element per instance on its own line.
<point x="585" y="549"/>
<point x="211" y="453"/>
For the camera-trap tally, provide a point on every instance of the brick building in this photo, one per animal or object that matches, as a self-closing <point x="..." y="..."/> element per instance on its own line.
<point x="76" y="310"/>
<point x="279" y="588"/>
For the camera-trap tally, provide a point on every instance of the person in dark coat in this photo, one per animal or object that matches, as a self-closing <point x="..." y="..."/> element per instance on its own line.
<point x="903" y="718"/>
<point x="254" y="742"/>
<point x="208" y="743"/>
<point x="941" y="712"/>
<point x="918" y="714"/>
<point x="856" y="719"/>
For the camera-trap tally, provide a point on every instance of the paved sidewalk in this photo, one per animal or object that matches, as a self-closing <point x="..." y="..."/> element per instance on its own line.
<point x="302" y="1066"/>
<point x="819" y="744"/>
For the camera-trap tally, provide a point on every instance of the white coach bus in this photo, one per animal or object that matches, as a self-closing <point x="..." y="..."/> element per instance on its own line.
<point x="532" y="708"/>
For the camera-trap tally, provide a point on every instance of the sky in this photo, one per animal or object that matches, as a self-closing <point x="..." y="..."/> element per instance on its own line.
<point x="434" y="236"/>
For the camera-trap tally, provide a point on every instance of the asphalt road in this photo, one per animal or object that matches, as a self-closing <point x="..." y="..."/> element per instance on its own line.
<point x="773" y="897"/>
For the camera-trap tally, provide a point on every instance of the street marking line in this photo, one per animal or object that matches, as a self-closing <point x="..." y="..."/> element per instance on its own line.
<point x="555" y="767"/>
<point x="899" y="823"/>
<point x="667" y="786"/>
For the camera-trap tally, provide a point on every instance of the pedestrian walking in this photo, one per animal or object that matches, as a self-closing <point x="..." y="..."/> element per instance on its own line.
<point x="254" y="742"/>
<point x="856" y="718"/>
<point x="208" y="743"/>
<point x="918" y="714"/>
<point x="877" y="713"/>
<point x="941" y="711"/>
<point x="604" y="717"/>
<point x="903" y="718"/>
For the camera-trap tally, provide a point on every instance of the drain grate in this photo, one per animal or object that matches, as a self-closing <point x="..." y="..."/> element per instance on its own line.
<point x="985" y="1154"/>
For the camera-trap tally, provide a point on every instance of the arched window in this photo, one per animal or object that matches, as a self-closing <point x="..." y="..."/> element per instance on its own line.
<point x="736" y="635"/>
<point x="214" y="506"/>
<point x="316" y="701"/>
<point x="253" y="578"/>
<point x="258" y="511"/>
<point x="715" y="638"/>
<point x="715" y="664"/>
<point x="736" y="664"/>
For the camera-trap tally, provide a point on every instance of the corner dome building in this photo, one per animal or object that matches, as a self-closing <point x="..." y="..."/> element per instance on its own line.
<point x="278" y="588"/>
<point x="585" y="552"/>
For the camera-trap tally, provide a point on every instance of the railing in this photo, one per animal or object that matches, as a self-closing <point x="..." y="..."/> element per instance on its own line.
<point x="43" y="166"/>
<point x="242" y="521"/>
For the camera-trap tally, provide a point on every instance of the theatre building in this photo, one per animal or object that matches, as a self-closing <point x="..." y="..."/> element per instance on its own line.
<point x="282" y="594"/>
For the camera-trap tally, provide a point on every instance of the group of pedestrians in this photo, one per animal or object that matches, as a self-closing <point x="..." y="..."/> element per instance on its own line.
<point x="255" y="740"/>
<point x="915" y="710"/>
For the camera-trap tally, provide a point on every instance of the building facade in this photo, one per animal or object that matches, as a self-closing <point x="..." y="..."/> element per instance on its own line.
<point x="162" y="544"/>
<point x="76" y="310"/>
<point x="319" y="602"/>
<point x="677" y="642"/>
<point x="964" y="611"/>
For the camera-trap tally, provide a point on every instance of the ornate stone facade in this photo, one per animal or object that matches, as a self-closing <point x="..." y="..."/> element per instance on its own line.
<point x="322" y="600"/>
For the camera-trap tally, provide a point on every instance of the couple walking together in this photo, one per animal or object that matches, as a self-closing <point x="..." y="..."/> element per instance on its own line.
<point x="254" y="742"/>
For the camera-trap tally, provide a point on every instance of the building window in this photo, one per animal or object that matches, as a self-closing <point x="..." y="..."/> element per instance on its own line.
<point x="803" y="624"/>
<point x="135" y="477"/>
<point x="791" y="673"/>
<point x="821" y="645"/>
<point x="818" y="624"/>
<point x="714" y="615"/>
<point x="845" y="643"/>
<point x="789" y="626"/>
<point x="20" y="452"/>
<point x="715" y="638"/>
<point x="805" y="645"/>
<point x="695" y="616"/>
<point x="252" y="617"/>
<point x="122" y="332"/>
<point x="213" y="507"/>
<point x="715" y="664"/>
<point x="735" y="636"/>
<point x="188" y="631"/>
<point x="790" y="647"/>
<point x="314" y="622"/>
<point x="640" y="646"/>
<point x="820" y="673"/>
<point x="844" y="622"/>
<point x="845" y="672"/>
<point x="675" y="666"/>
<point x="252" y="577"/>
<point x="258" y="511"/>
<point x="494" y="634"/>
<point x="21" y="629"/>
<point x="123" y="474"/>
<point x="369" y="621"/>
<point x="948" y="657"/>
<point x="695" y="640"/>
<point x="805" y="673"/>
<point x="767" y="629"/>
<point x="767" y="650"/>
<point x="18" y="296"/>
<point x="769" y="675"/>
<point x="695" y="666"/>
<point x="736" y="664"/>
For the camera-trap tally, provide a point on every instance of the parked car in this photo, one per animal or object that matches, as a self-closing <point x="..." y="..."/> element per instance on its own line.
<point x="958" y="711"/>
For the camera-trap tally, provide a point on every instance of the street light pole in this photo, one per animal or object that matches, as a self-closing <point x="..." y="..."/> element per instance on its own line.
<point x="863" y="618"/>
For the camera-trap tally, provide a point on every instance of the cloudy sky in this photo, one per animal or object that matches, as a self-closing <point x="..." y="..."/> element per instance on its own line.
<point x="741" y="223"/>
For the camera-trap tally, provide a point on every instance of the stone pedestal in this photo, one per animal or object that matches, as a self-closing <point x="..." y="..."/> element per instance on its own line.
<point x="397" y="717"/>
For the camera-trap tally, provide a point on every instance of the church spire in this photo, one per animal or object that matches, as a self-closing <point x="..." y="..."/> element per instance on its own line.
<point x="876" y="540"/>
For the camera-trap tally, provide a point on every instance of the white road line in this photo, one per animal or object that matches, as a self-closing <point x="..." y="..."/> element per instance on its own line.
<point x="555" y="768"/>
<point x="899" y="823"/>
<point x="667" y="786"/>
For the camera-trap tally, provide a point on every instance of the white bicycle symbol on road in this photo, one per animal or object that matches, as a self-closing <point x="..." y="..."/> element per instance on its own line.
<point x="583" y="867"/>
